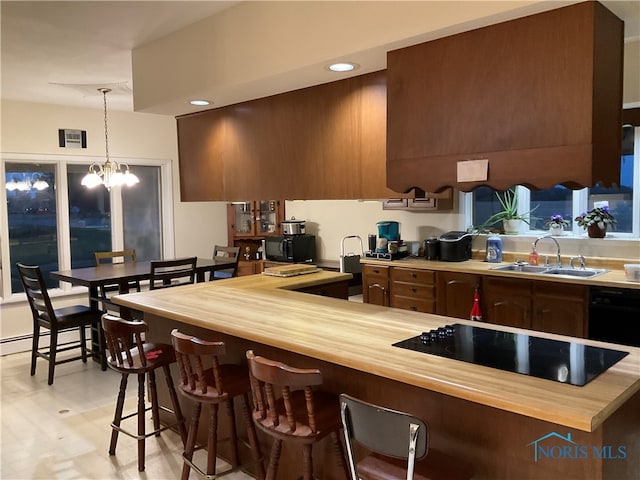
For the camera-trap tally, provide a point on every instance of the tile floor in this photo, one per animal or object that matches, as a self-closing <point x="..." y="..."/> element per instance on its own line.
<point x="62" y="431"/>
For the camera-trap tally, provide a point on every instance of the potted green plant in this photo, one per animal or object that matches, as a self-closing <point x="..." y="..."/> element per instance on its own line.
<point x="556" y="224"/>
<point x="509" y="216"/>
<point x="596" y="221"/>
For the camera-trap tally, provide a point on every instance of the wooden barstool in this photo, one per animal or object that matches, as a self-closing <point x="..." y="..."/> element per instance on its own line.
<point x="128" y="354"/>
<point x="203" y="380"/>
<point x="297" y="414"/>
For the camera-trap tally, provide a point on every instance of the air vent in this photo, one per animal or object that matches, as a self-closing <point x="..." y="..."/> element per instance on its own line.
<point x="72" y="138"/>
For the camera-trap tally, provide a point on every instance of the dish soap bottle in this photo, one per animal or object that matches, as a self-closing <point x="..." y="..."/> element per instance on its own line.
<point x="533" y="256"/>
<point x="494" y="249"/>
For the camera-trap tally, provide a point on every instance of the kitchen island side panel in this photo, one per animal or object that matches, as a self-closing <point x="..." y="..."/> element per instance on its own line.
<point x="497" y="443"/>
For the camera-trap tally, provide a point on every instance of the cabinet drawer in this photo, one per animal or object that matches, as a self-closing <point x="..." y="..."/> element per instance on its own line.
<point x="413" y="304"/>
<point x="413" y="290"/>
<point x="424" y="277"/>
<point x="375" y="271"/>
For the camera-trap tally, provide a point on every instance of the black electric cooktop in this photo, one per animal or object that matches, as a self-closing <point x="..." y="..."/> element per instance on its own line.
<point x="566" y="362"/>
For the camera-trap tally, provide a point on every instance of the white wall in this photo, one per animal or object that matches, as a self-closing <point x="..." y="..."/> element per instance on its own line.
<point x="331" y="220"/>
<point x="30" y="128"/>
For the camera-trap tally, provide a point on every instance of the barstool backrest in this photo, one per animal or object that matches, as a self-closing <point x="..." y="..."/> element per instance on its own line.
<point x="382" y="430"/>
<point x="195" y="357"/>
<point x="123" y="336"/>
<point x="271" y="379"/>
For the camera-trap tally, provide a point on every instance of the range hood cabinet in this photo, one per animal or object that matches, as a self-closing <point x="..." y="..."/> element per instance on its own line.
<point x="539" y="98"/>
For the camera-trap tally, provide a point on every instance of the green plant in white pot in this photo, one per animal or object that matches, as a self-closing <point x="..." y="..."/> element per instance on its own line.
<point x="509" y="216"/>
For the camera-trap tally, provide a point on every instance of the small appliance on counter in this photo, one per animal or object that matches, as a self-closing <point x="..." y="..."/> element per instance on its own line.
<point x="432" y="248"/>
<point x="299" y="248"/>
<point x="294" y="227"/>
<point x="455" y="246"/>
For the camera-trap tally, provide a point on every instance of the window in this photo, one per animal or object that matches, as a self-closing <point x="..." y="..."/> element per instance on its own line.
<point x="569" y="203"/>
<point x="56" y="223"/>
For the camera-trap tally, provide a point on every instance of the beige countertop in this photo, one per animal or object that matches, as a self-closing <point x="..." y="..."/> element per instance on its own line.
<point x="360" y="336"/>
<point x="615" y="277"/>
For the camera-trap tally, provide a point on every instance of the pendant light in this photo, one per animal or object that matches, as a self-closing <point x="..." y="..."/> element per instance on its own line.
<point x="110" y="173"/>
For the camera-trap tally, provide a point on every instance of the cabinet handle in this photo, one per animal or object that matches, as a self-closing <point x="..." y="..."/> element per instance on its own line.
<point x="414" y="275"/>
<point x="376" y="271"/>
<point x="414" y="308"/>
<point x="414" y="290"/>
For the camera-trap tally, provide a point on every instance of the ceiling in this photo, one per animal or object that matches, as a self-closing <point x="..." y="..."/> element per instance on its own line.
<point x="61" y="52"/>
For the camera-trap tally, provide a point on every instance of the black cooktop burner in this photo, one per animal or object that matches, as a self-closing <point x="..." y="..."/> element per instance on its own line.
<point x="566" y="362"/>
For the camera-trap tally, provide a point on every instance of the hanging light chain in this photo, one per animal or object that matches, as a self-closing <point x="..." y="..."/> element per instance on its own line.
<point x="106" y="132"/>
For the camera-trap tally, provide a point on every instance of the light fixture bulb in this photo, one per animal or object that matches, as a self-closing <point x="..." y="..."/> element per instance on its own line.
<point x="200" y="103"/>
<point x="342" y="67"/>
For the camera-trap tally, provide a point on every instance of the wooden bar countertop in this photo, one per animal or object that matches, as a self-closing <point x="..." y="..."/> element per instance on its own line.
<point x="266" y="310"/>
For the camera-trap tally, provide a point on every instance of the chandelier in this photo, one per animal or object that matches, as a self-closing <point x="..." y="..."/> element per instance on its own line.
<point x="26" y="183"/>
<point x="110" y="173"/>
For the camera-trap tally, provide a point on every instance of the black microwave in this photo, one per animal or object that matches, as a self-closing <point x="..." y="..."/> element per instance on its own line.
<point x="291" y="248"/>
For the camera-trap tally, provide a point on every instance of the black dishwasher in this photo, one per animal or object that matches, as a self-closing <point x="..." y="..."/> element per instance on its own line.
<point x="614" y="315"/>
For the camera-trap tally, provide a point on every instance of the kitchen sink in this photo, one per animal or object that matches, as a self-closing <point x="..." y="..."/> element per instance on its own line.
<point x="575" y="272"/>
<point x="515" y="267"/>
<point x="551" y="270"/>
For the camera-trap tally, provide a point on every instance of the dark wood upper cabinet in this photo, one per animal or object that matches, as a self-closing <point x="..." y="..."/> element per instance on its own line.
<point x="321" y="142"/>
<point x="539" y="97"/>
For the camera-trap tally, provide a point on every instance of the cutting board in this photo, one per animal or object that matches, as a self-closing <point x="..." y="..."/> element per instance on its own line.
<point x="290" y="270"/>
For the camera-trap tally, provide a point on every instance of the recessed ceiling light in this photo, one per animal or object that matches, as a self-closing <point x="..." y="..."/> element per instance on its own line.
<point x="343" y="67"/>
<point x="200" y="103"/>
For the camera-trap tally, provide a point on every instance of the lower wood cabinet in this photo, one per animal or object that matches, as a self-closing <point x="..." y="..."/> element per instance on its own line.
<point x="560" y="308"/>
<point x="335" y="290"/>
<point x="413" y="289"/>
<point x="375" y="284"/>
<point x="544" y="306"/>
<point x="455" y="293"/>
<point x="249" y="267"/>
<point x="551" y="307"/>
<point x="506" y="301"/>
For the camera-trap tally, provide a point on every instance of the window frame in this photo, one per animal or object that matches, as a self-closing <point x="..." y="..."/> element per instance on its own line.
<point x="580" y="201"/>
<point x="64" y="237"/>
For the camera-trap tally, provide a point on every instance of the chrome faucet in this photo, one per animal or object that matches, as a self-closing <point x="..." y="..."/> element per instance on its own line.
<point x="580" y="258"/>
<point x="558" y="258"/>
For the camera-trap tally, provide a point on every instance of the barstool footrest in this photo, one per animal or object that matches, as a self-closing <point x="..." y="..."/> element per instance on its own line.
<point x="150" y="434"/>
<point x="215" y="475"/>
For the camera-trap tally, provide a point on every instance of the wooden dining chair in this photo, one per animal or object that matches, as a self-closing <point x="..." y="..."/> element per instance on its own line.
<point x="105" y="291"/>
<point x="74" y="317"/>
<point x="129" y="354"/>
<point x="225" y="253"/>
<point x="288" y="408"/>
<point x="396" y="444"/>
<point x="205" y="380"/>
<point x="172" y="273"/>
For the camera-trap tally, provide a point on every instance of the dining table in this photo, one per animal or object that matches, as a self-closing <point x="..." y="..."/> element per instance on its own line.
<point x="122" y="274"/>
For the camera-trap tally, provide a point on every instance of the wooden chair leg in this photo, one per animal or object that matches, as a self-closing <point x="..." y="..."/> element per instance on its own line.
<point x="212" y="441"/>
<point x="191" y="441"/>
<point x="176" y="404"/>
<point x="117" y="418"/>
<point x="233" y="433"/>
<point x="34" y="348"/>
<point x="340" y="453"/>
<point x="307" y="462"/>
<point x="141" y="427"/>
<point x="83" y="343"/>
<point x="274" y="458"/>
<point x="153" y="394"/>
<point x="253" y="438"/>
<point x="53" y="346"/>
